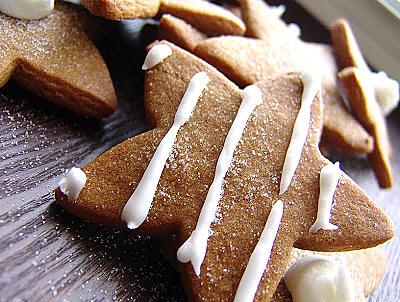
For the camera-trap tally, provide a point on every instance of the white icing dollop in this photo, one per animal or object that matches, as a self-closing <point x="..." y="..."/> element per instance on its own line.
<point x="329" y="178"/>
<point x="278" y="10"/>
<point x="156" y="55"/>
<point x="194" y="248"/>
<point x="386" y="91"/>
<point x="311" y="85"/>
<point x="319" y="279"/>
<point x="138" y="205"/>
<point x="295" y="29"/>
<point x="258" y="261"/>
<point x="72" y="183"/>
<point x="29" y="9"/>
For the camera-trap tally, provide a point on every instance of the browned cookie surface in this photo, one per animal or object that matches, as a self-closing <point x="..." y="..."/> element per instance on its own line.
<point x="205" y="16"/>
<point x="122" y="9"/>
<point x="248" y="60"/>
<point x="251" y="185"/>
<point x="362" y="100"/>
<point x="179" y="32"/>
<point x="347" y="51"/>
<point x="55" y="59"/>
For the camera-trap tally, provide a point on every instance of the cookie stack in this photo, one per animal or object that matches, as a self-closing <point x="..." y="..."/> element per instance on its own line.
<point x="231" y="177"/>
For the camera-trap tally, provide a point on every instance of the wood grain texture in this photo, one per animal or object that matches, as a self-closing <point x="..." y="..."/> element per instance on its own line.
<point x="48" y="255"/>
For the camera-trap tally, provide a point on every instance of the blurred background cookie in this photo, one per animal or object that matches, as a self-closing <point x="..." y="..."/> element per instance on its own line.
<point x="55" y="59"/>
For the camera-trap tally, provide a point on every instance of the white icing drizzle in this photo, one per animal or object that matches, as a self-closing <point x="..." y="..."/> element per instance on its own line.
<point x="329" y="179"/>
<point x="138" y="205"/>
<point x="259" y="258"/>
<point x="72" y="183"/>
<point x="194" y="248"/>
<point x="156" y="55"/>
<point x="311" y="85"/>
<point x="318" y="278"/>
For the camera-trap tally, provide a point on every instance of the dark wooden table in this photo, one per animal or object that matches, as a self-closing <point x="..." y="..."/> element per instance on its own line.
<point x="47" y="254"/>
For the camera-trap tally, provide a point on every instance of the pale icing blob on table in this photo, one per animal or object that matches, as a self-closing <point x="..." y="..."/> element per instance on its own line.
<point x="259" y="258"/>
<point x="156" y="55"/>
<point x="311" y="85"/>
<point x="29" y="9"/>
<point x="278" y="10"/>
<point x="295" y="29"/>
<point x="318" y="278"/>
<point x="194" y="248"/>
<point x="386" y="91"/>
<point x="329" y="179"/>
<point x="138" y="205"/>
<point x="73" y="183"/>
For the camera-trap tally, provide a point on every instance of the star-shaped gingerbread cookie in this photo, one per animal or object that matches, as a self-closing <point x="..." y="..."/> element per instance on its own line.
<point x="54" y="58"/>
<point x="274" y="48"/>
<point x="250" y="201"/>
<point x="204" y="15"/>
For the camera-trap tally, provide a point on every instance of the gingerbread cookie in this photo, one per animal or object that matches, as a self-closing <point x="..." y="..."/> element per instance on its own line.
<point x="348" y="54"/>
<point x="285" y="52"/>
<point x="365" y="90"/>
<point x="341" y="129"/>
<point x="208" y="134"/>
<point x="179" y="32"/>
<point x="205" y="16"/>
<point x="355" y="139"/>
<point x="247" y="60"/>
<point x="122" y="9"/>
<point x="361" y="97"/>
<point x="54" y="58"/>
<point x="263" y="21"/>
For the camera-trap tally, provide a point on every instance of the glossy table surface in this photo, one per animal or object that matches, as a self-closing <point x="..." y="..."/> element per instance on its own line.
<point x="47" y="254"/>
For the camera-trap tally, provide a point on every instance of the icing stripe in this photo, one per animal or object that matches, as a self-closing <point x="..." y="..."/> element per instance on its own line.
<point x="138" y="205"/>
<point x="194" y="249"/>
<point x="311" y="85"/>
<point x="156" y="55"/>
<point x="329" y="179"/>
<point x="259" y="258"/>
